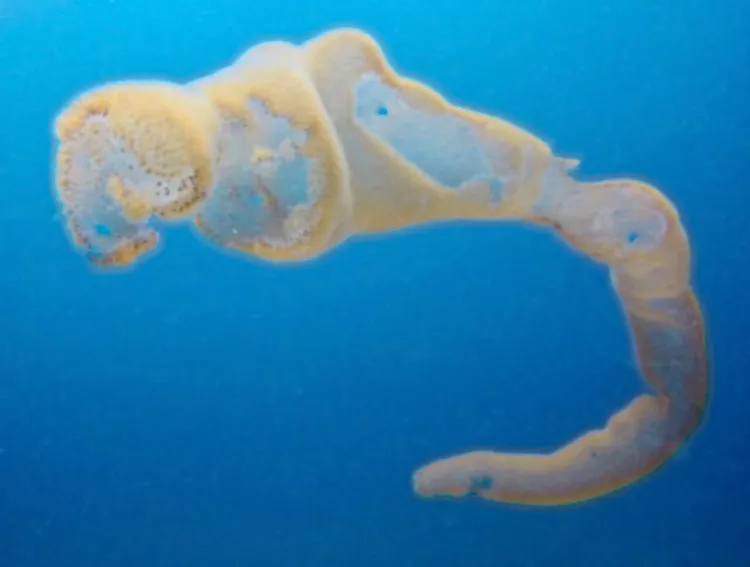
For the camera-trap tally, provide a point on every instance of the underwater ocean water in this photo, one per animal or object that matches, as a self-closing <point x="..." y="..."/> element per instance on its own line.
<point x="206" y="409"/>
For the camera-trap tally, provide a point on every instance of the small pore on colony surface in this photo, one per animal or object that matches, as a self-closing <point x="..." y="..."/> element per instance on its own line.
<point x="481" y="483"/>
<point x="614" y="218"/>
<point x="631" y="220"/>
<point x="267" y="189"/>
<point x="449" y="149"/>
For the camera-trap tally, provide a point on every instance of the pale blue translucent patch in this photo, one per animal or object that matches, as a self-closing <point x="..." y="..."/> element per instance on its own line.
<point x="264" y="177"/>
<point x="447" y="148"/>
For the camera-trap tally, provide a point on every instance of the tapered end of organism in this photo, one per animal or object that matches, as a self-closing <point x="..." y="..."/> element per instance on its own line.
<point x="455" y="476"/>
<point x="128" y="152"/>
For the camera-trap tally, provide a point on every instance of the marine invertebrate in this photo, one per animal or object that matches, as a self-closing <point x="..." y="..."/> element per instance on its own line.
<point x="292" y="149"/>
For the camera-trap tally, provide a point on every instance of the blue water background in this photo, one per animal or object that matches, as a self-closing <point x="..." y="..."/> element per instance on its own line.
<point x="204" y="410"/>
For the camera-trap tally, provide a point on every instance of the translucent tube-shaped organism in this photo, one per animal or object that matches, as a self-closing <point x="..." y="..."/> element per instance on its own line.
<point x="294" y="148"/>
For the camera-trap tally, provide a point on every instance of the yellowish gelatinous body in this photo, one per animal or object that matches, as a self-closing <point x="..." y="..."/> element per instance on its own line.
<point x="294" y="148"/>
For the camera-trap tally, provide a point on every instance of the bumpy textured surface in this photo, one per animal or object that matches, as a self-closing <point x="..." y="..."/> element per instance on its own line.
<point x="292" y="149"/>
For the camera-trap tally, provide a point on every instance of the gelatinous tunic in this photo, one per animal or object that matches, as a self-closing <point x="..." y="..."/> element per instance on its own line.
<point x="292" y="149"/>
